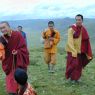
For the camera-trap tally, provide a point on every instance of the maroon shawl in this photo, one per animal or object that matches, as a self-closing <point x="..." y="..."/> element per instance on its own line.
<point x="85" y="43"/>
<point x="17" y="42"/>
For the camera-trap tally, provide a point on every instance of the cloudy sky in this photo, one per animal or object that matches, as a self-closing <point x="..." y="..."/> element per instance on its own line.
<point x="42" y="9"/>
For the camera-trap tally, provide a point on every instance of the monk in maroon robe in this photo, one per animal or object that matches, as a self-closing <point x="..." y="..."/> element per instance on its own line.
<point x="16" y="56"/>
<point x="78" y="48"/>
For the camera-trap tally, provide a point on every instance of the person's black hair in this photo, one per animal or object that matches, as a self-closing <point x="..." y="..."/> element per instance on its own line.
<point x="80" y="16"/>
<point x="20" y="26"/>
<point x="50" y="22"/>
<point x="21" y="76"/>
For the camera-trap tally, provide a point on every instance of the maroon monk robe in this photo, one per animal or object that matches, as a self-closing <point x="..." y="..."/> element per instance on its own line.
<point x="17" y="42"/>
<point x="75" y="65"/>
<point x="85" y="43"/>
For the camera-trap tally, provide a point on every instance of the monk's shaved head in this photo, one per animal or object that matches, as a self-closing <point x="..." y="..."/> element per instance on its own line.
<point x="5" y="27"/>
<point x="5" y="22"/>
<point x="79" y="15"/>
<point x="51" y="25"/>
<point x="51" y="22"/>
<point x="19" y="28"/>
<point x="79" y="20"/>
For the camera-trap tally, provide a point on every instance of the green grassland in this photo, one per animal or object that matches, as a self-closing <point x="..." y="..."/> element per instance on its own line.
<point x="55" y="84"/>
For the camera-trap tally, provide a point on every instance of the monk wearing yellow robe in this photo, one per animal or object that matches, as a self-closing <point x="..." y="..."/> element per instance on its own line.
<point x="51" y="38"/>
<point x="79" y="52"/>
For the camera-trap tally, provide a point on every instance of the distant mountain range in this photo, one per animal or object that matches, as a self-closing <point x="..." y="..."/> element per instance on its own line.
<point x="34" y="27"/>
<point x="60" y="24"/>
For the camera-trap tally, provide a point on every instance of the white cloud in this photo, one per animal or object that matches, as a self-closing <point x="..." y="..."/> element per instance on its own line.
<point x="47" y="8"/>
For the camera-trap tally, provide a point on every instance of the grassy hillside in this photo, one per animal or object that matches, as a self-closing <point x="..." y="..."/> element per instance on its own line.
<point x="55" y="84"/>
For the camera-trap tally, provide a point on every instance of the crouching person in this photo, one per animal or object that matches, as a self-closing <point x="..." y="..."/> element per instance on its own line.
<point x="24" y="88"/>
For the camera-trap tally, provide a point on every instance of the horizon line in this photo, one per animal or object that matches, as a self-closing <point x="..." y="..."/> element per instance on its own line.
<point x="43" y="19"/>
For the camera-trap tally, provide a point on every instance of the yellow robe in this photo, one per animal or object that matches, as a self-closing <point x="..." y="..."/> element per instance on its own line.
<point x="53" y="49"/>
<point x="2" y="52"/>
<point x="73" y="44"/>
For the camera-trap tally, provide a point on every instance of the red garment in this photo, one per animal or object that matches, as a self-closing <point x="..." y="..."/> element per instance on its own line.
<point x="17" y="42"/>
<point x="11" y="84"/>
<point x="27" y="90"/>
<point x="85" y="43"/>
<point x="75" y="65"/>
